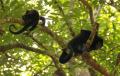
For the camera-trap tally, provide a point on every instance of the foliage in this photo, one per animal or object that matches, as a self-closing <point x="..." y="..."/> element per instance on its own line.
<point x="21" y="62"/>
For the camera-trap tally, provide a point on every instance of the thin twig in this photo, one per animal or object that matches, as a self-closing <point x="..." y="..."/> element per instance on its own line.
<point x="66" y="20"/>
<point x="90" y="10"/>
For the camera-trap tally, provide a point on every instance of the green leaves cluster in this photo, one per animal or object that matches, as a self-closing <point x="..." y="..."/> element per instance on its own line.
<point x="17" y="62"/>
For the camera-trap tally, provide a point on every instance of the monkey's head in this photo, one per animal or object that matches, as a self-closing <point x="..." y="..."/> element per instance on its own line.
<point x="66" y="55"/>
<point x="30" y="16"/>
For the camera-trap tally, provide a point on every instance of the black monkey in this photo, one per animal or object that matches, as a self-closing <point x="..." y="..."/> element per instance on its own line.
<point x="30" y="19"/>
<point x="76" y="45"/>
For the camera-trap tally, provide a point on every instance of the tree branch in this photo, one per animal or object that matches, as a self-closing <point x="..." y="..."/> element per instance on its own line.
<point x="6" y="47"/>
<point x="57" y="38"/>
<point x="38" y="42"/>
<point x="86" y="56"/>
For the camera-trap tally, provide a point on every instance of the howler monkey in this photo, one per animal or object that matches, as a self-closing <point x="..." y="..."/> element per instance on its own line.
<point x="30" y="18"/>
<point x="76" y="45"/>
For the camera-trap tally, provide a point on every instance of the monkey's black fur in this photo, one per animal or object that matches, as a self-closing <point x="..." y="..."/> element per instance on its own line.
<point x="76" y="45"/>
<point x="30" y="19"/>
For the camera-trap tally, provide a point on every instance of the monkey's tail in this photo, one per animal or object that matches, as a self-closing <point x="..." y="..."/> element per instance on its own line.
<point x="17" y="32"/>
<point x="65" y="57"/>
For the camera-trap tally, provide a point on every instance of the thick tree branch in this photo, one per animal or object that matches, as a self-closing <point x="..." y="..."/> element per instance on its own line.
<point x="86" y="56"/>
<point x="11" y="20"/>
<point x="57" y="38"/>
<point x="6" y="47"/>
<point x="90" y="61"/>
